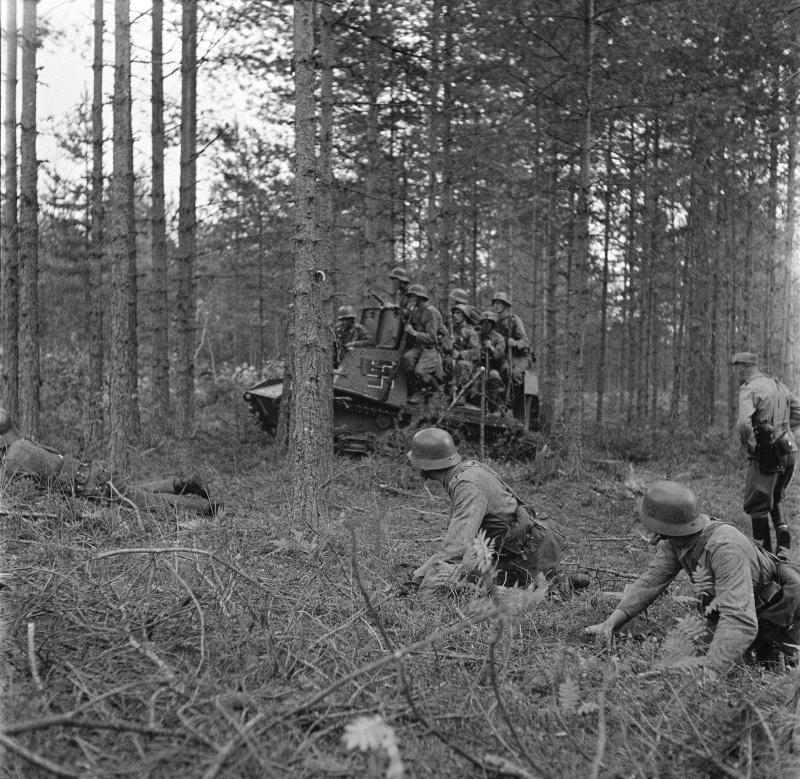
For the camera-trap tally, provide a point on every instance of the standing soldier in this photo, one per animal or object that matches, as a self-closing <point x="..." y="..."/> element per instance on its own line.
<point x="422" y="362"/>
<point x="400" y="281"/>
<point x="493" y="356"/>
<point x="510" y="326"/>
<point x="460" y="296"/>
<point x="460" y="363"/>
<point x="768" y="416"/>
<point x="348" y="333"/>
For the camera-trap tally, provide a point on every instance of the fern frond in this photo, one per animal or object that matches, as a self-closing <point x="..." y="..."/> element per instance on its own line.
<point x="479" y="558"/>
<point x="569" y="695"/>
<point x="682" y="644"/>
<point x="516" y="600"/>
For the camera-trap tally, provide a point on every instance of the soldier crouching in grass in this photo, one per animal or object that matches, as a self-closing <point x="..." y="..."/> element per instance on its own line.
<point x="523" y="547"/>
<point x="22" y="457"/>
<point x="750" y="598"/>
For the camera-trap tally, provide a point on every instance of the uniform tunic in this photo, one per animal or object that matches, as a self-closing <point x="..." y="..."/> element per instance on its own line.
<point x="423" y="358"/>
<point x="476" y="494"/>
<point x="765" y="401"/>
<point x="510" y="326"/>
<point x="737" y="568"/>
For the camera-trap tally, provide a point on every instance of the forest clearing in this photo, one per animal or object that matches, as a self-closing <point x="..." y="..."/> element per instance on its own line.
<point x="240" y="645"/>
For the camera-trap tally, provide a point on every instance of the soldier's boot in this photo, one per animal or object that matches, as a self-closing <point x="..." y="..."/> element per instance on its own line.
<point x="783" y="538"/>
<point x="761" y="532"/>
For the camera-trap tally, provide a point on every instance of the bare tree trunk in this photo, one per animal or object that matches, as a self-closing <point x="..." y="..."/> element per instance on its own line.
<point x="326" y="219"/>
<point x="96" y="238"/>
<point x="9" y="278"/>
<point x="29" y="234"/>
<point x="434" y="79"/>
<point x="601" y="357"/>
<point x="579" y="277"/>
<point x="120" y="395"/>
<point x="308" y="435"/>
<point x="187" y="223"/>
<point x="446" y="121"/>
<point x="158" y="285"/>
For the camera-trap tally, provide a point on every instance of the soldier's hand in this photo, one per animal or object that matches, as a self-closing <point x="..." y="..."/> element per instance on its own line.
<point x="603" y="630"/>
<point x="410" y="330"/>
<point x="487" y="344"/>
<point x="511" y="342"/>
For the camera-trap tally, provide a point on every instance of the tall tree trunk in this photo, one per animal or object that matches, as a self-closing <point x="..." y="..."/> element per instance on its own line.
<point x="308" y="435"/>
<point x="446" y="122"/>
<point x="120" y="410"/>
<point x="187" y="223"/>
<point x="373" y="154"/>
<point x="579" y="277"/>
<point x="29" y="234"/>
<point x="326" y="220"/>
<point x="158" y="285"/>
<point x="551" y="367"/>
<point x="9" y="275"/>
<point x="433" y="88"/>
<point x="601" y="356"/>
<point x="96" y="238"/>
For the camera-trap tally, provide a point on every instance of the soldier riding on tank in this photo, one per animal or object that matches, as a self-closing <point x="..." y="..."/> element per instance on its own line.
<point x="509" y="325"/>
<point x="348" y="333"/>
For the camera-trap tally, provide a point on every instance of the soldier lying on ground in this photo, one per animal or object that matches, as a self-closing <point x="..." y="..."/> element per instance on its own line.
<point x="23" y="457"/>
<point x="750" y="598"/>
<point x="524" y="547"/>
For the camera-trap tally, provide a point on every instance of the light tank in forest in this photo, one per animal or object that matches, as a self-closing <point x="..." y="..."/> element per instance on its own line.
<point x="370" y="399"/>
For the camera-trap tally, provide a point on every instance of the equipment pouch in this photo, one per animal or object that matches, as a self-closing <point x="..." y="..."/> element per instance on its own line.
<point x="783" y="443"/>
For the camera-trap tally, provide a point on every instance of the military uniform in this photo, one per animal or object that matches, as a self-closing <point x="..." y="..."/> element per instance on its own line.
<point x="746" y="612"/>
<point x="423" y="360"/>
<point x="23" y="457"/>
<point x="493" y="349"/>
<point x="349" y="333"/>
<point x="766" y="403"/>
<point x="464" y="354"/>
<point x="481" y="500"/>
<point x="510" y="326"/>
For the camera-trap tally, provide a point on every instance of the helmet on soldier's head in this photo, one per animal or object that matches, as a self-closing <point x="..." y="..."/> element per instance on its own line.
<point x="462" y="308"/>
<point x="489" y="316"/>
<point x="8" y="432"/>
<point x="347" y="312"/>
<point x="460" y="296"/>
<point x="433" y="449"/>
<point x="399" y="273"/>
<point x="670" y="509"/>
<point x="502" y="297"/>
<point x="418" y="290"/>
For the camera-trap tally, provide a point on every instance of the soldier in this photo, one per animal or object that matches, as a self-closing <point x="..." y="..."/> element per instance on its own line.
<point x="400" y="282"/>
<point x="751" y="598"/>
<point x="510" y="326"/>
<point x="480" y="500"/>
<point x="348" y="333"/>
<point x="23" y="457"/>
<point x="422" y="362"/>
<point x="493" y="357"/>
<point x="460" y="362"/>
<point x="472" y="313"/>
<point x="768" y="416"/>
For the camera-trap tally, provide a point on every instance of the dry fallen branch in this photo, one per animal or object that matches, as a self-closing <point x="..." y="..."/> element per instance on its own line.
<point x="48" y="765"/>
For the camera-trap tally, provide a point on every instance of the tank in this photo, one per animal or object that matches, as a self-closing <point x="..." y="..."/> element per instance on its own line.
<point x="370" y="399"/>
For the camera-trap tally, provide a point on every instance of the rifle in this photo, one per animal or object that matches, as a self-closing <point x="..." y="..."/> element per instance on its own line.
<point x="377" y="297"/>
<point x="510" y="358"/>
<point x="396" y="367"/>
<point x="485" y="370"/>
<point x="460" y="395"/>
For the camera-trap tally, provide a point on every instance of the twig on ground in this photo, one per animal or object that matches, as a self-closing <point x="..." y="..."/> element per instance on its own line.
<point x="32" y="662"/>
<point x="48" y="765"/>
<point x="601" y="725"/>
<point x="609" y="571"/>
<point x="200" y="614"/>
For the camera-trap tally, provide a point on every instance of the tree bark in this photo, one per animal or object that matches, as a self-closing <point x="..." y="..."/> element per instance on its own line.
<point x="120" y="410"/>
<point x="187" y="224"/>
<point x="158" y="285"/>
<point x="573" y="416"/>
<point x="29" y="235"/>
<point x="308" y="436"/>
<point x="9" y="275"/>
<point x="96" y="237"/>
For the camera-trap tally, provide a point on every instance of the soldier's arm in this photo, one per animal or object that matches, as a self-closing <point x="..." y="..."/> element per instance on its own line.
<point x="473" y="346"/>
<point x="428" y="332"/>
<point x="468" y="509"/>
<point x="794" y="412"/>
<point x="738" y="624"/>
<point x="658" y="575"/>
<point x="518" y="334"/>
<point x="744" y="423"/>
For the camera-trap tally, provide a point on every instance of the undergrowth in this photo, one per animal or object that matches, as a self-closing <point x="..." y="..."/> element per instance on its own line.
<point x="240" y="646"/>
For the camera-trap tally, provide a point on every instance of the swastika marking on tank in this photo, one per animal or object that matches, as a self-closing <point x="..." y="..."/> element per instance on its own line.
<point x="378" y="372"/>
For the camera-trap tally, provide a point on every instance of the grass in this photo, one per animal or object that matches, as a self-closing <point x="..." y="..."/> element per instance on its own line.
<point x="243" y="647"/>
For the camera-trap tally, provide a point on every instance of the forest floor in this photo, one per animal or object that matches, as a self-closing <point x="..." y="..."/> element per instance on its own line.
<point x="240" y="646"/>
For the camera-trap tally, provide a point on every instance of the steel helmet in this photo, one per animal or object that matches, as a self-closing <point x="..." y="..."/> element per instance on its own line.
<point x="490" y="316"/>
<point x="502" y="297"/>
<point x="418" y="290"/>
<point x="347" y="312"/>
<point x="670" y="509"/>
<point x="433" y="449"/>
<point x="399" y="273"/>
<point x="460" y="296"/>
<point x="8" y="432"/>
<point x="462" y="308"/>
